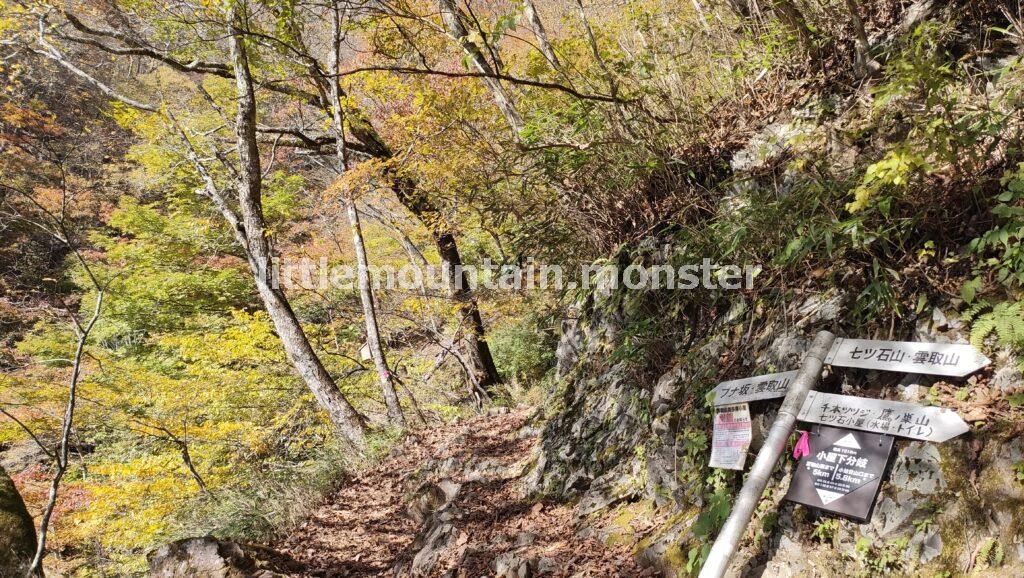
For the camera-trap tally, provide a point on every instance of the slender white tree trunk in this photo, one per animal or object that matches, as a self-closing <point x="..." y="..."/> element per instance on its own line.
<point x="541" y="34"/>
<point x="451" y="15"/>
<point x="257" y="246"/>
<point x="380" y="362"/>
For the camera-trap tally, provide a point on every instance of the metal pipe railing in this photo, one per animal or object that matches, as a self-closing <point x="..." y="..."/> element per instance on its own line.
<point x="743" y="509"/>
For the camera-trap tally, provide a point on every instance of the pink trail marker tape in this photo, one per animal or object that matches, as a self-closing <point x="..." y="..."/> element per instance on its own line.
<point x="803" y="446"/>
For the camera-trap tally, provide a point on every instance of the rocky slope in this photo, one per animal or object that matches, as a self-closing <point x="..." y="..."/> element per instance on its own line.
<point x="633" y="452"/>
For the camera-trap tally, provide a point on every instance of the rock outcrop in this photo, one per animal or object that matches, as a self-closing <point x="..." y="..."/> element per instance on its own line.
<point x="205" y="557"/>
<point x="627" y="439"/>
<point x="17" y="530"/>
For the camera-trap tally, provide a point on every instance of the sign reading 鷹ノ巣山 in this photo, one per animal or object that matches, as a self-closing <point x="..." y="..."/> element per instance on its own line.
<point x="842" y="473"/>
<point x="929" y="423"/>
<point x="753" y="388"/>
<point x="954" y="359"/>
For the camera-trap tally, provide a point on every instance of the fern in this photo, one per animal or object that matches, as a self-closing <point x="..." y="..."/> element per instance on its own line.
<point x="991" y="554"/>
<point x="1005" y="319"/>
<point x="974" y="310"/>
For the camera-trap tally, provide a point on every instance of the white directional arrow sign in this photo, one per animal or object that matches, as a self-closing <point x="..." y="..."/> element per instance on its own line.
<point x="955" y="359"/>
<point x="850" y="442"/>
<point x="753" y="388"/>
<point x="929" y="423"/>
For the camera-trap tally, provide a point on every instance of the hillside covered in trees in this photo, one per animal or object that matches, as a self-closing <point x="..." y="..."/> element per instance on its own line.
<point x="443" y="287"/>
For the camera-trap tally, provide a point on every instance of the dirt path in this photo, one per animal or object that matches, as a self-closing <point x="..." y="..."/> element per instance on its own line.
<point x="365" y="528"/>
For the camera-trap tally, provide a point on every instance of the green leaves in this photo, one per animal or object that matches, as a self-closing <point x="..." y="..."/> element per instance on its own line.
<point x="710" y="520"/>
<point x="970" y="289"/>
<point x="502" y="25"/>
<point x="1005" y="319"/>
<point x="1001" y="246"/>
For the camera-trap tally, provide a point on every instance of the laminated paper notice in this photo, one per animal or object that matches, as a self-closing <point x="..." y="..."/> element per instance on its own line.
<point x="731" y="436"/>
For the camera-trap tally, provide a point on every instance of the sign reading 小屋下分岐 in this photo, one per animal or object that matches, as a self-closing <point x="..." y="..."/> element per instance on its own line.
<point x="753" y="388"/>
<point x="731" y="436"/>
<point x="956" y="359"/>
<point x="929" y="423"/>
<point x="842" y="473"/>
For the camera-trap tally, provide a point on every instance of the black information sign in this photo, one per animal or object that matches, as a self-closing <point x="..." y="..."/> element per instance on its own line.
<point x="842" y="473"/>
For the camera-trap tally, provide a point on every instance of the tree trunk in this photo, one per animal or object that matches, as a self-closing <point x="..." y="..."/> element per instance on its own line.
<point x="380" y="362"/>
<point x="451" y="15"/>
<point x="864" y="65"/>
<point x="17" y="531"/>
<point x="309" y="367"/>
<point x="483" y="372"/>
<point x="541" y="34"/>
<point x="293" y="337"/>
<point x="475" y="348"/>
<point x="795" y="21"/>
<point x="387" y="383"/>
<point x="476" y="351"/>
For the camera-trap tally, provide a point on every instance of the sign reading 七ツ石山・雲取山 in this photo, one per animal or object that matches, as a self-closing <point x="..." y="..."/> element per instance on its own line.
<point x="956" y="359"/>
<point x="753" y="388"/>
<point x="928" y="423"/>
<point x="842" y="473"/>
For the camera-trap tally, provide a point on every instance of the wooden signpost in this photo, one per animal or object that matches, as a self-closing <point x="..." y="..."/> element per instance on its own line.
<point x="928" y="423"/>
<point x="843" y="471"/>
<point x="957" y="359"/>
<point x="753" y="388"/>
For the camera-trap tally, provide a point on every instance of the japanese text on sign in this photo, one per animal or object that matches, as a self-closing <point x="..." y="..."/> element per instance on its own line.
<point x="731" y="436"/>
<point x="883" y="416"/>
<point x="753" y="388"/>
<point x="905" y="356"/>
<point x="843" y="472"/>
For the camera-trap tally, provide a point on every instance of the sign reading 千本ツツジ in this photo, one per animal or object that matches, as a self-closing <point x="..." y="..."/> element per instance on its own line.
<point x="907" y="356"/>
<point x="934" y="424"/>
<point x="842" y="473"/>
<point x="753" y="388"/>
<point x="731" y="436"/>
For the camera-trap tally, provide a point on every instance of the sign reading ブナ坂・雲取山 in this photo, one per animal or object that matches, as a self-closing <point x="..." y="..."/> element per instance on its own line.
<point x="842" y="473"/>
<point x="753" y="388"/>
<point x="929" y="423"/>
<point x="955" y="359"/>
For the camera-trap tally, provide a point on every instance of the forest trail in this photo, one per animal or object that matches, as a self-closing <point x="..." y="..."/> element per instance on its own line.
<point x="489" y="528"/>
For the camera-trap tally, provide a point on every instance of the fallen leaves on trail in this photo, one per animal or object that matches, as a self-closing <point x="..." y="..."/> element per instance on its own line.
<point x="364" y="530"/>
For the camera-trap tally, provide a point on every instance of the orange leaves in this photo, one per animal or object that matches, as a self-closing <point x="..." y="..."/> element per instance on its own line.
<point x="18" y="123"/>
<point x="357" y="181"/>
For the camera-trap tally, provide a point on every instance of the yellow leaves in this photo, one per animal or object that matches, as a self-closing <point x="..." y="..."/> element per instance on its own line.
<point x="10" y="22"/>
<point x="132" y="502"/>
<point x="133" y="119"/>
<point x="896" y="169"/>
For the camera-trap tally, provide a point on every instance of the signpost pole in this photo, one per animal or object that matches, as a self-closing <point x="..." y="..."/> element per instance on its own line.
<point x="729" y="538"/>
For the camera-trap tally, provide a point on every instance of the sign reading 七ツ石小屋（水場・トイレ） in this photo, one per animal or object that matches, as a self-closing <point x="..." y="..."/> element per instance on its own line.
<point x="956" y="359"/>
<point x="842" y="472"/>
<point x="928" y="423"/>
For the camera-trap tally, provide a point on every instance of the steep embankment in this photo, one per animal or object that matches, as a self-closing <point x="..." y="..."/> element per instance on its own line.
<point x="448" y="501"/>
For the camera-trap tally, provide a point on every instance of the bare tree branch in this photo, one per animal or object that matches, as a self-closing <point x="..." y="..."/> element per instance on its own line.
<point x="498" y="76"/>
